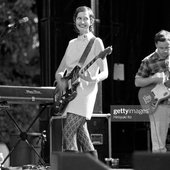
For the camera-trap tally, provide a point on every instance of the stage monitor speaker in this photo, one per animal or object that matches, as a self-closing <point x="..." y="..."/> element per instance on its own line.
<point x="151" y="161"/>
<point x="75" y="161"/>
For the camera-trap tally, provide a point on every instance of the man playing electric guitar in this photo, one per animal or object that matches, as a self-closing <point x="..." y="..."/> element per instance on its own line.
<point x="154" y="70"/>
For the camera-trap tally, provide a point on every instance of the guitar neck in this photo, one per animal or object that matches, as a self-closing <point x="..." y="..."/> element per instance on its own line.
<point x="101" y="55"/>
<point x="75" y="76"/>
<point x="88" y="65"/>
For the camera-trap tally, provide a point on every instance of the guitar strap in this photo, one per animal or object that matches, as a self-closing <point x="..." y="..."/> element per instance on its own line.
<point x="86" y="51"/>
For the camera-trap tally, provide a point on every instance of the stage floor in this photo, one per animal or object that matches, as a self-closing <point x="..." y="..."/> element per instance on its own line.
<point x="43" y="168"/>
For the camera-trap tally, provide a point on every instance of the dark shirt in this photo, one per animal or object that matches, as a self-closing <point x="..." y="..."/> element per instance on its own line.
<point x="153" y="64"/>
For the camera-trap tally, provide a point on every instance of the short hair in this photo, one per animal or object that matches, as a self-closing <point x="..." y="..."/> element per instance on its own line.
<point x="162" y="36"/>
<point x="91" y="15"/>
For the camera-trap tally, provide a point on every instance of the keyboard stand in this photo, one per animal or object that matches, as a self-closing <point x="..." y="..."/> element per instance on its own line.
<point x="23" y="135"/>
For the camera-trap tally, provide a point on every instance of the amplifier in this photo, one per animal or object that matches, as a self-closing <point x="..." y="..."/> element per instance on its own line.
<point x="56" y="139"/>
<point x="100" y="132"/>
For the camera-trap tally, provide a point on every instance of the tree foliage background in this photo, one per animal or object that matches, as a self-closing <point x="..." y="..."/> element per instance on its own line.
<point x="19" y="58"/>
<point x="19" y="55"/>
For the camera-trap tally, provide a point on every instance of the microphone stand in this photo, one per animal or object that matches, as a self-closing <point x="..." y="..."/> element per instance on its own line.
<point x="42" y="139"/>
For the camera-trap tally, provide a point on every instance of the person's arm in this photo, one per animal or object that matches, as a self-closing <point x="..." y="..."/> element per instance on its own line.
<point x="103" y="69"/>
<point x="102" y="63"/>
<point x="61" y="69"/>
<point x="156" y="78"/>
<point x="143" y="76"/>
<point x="61" y="83"/>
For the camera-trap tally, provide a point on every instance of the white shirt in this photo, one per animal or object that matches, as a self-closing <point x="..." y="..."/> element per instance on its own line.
<point x="84" y="102"/>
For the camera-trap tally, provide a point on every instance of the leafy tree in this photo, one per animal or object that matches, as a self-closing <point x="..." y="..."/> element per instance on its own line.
<point x="19" y="58"/>
<point x="19" y="54"/>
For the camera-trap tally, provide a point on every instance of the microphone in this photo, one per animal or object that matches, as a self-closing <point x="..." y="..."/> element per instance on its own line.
<point x="20" y="21"/>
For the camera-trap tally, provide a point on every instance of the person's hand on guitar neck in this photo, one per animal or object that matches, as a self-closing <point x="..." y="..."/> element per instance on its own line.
<point x="87" y="77"/>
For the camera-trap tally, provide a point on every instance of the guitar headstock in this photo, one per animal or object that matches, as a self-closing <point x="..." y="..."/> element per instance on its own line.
<point x="106" y="51"/>
<point x="109" y="50"/>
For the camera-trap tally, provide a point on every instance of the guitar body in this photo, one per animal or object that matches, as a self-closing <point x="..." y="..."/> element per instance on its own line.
<point x="61" y="100"/>
<point x="150" y="96"/>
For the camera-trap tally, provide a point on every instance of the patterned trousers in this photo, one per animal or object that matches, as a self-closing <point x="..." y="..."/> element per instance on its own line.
<point x="75" y="131"/>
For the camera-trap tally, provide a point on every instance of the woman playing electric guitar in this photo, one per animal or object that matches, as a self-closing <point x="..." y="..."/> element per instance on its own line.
<point x="81" y="107"/>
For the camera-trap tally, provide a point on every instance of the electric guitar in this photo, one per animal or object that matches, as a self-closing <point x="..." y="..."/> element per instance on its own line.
<point x="150" y="96"/>
<point x="61" y="100"/>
